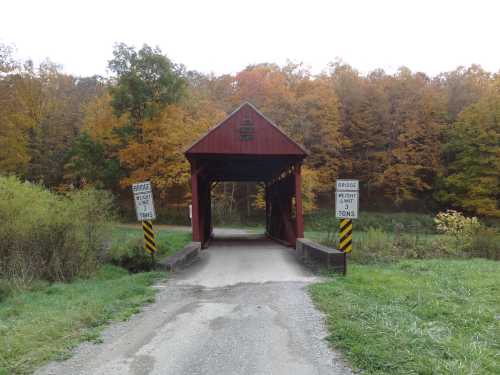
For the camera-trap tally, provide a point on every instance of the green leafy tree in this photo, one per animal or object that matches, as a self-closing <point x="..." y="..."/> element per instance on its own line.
<point x="146" y="81"/>
<point x="472" y="159"/>
<point x="89" y="165"/>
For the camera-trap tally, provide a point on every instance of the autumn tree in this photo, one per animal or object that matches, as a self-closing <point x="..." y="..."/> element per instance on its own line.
<point x="304" y="107"/>
<point x="410" y="161"/>
<point x="93" y="158"/>
<point x="160" y="158"/>
<point x="40" y="118"/>
<point x="317" y="117"/>
<point x="141" y="126"/>
<point x="13" y="152"/>
<point x="59" y="123"/>
<point x="392" y="124"/>
<point x="463" y="87"/>
<point x="349" y="86"/>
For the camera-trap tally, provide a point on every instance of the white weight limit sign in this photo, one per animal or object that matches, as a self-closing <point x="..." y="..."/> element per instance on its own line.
<point x="143" y="199"/>
<point x="346" y="204"/>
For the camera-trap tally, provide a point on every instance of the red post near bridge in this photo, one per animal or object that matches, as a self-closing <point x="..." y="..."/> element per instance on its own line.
<point x="247" y="146"/>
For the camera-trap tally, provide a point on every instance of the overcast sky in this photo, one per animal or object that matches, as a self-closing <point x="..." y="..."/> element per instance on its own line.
<point x="225" y="36"/>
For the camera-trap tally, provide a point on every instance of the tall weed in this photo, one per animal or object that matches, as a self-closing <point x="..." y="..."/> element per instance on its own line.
<point x="324" y="220"/>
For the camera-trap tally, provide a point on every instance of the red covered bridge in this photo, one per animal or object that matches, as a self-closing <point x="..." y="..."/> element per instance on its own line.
<point x="247" y="146"/>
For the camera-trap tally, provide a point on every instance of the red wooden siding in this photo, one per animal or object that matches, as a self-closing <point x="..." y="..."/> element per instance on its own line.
<point x="226" y="137"/>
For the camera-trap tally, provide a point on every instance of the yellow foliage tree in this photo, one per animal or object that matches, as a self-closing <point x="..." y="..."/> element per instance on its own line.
<point x="311" y="186"/>
<point x="159" y="156"/>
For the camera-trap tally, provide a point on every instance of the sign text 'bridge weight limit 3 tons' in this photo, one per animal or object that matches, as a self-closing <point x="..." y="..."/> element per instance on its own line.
<point x="145" y="210"/>
<point x="346" y="209"/>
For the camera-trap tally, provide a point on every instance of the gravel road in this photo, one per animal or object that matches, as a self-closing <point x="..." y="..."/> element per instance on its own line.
<point x="242" y="308"/>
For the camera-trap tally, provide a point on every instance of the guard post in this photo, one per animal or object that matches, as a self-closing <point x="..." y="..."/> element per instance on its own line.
<point x="346" y="209"/>
<point x="149" y="237"/>
<point x="145" y="210"/>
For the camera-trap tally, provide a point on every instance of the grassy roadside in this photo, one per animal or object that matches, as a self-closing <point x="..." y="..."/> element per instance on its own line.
<point x="127" y="247"/>
<point x="169" y="241"/>
<point x="416" y="317"/>
<point x="47" y="321"/>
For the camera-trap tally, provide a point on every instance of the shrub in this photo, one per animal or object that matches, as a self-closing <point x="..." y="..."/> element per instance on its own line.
<point x="50" y="236"/>
<point x="485" y="243"/>
<point x="93" y="212"/>
<point x="458" y="230"/>
<point x="455" y="223"/>
<point x="131" y="255"/>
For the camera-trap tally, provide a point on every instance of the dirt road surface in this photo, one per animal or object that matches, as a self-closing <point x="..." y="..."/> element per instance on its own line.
<point x="243" y="308"/>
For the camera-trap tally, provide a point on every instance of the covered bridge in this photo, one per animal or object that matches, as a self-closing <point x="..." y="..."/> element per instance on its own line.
<point x="247" y="146"/>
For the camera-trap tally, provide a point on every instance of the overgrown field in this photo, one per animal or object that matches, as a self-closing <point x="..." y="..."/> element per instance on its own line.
<point x="386" y="237"/>
<point x="324" y="221"/>
<point x="416" y="317"/>
<point x="46" y="321"/>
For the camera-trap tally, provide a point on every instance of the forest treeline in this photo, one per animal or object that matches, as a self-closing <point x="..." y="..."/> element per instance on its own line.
<point x="414" y="141"/>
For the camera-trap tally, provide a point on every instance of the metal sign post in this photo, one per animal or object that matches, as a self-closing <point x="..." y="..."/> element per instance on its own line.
<point x="346" y="209"/>
<point x="145" y="210"/>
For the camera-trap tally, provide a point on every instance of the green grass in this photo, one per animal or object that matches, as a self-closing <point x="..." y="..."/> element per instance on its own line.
<point x="169" y="241"/>
<point x="46" y="322"/>
<point x="416" y="317"/>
